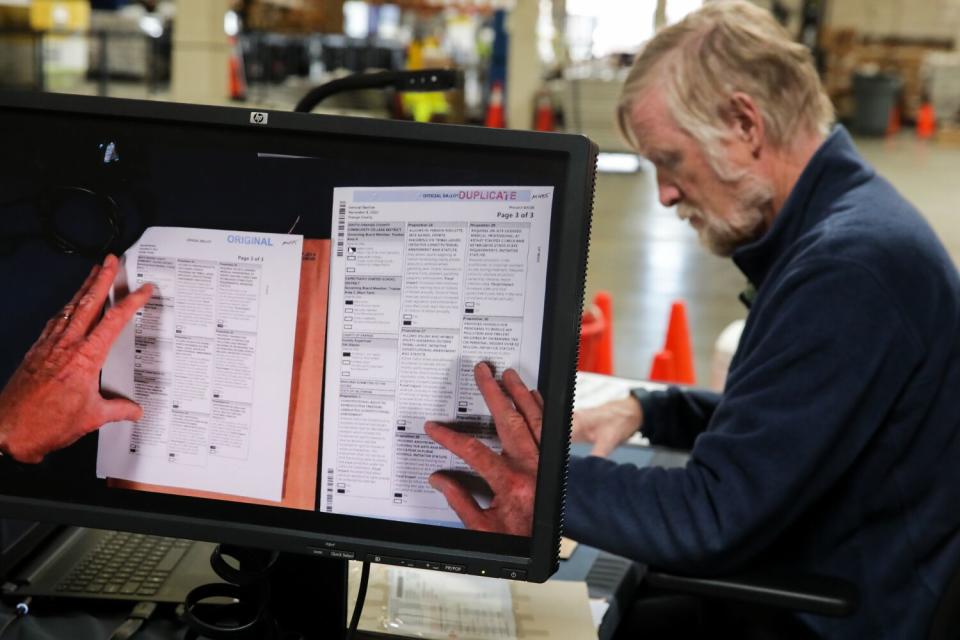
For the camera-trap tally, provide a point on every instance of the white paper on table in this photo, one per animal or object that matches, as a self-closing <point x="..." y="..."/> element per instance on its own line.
<point x="209" y="358"/>
<point x="598" y="609"/>
<point x="444" y="607"/>
<point x="594" y="389"/>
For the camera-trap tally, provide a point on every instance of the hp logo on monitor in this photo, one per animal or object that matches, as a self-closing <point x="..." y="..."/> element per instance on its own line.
<point x="258" y="117"/>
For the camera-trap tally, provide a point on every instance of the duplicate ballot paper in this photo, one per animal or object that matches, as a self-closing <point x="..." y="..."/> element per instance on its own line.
<point x="209" y="359"/>
<point x="425" y="282"/>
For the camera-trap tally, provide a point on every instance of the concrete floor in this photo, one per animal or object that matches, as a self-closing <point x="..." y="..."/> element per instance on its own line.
<point x="647" y="258"/>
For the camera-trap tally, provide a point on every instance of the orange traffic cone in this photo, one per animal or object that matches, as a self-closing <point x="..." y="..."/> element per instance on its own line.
<point x="662" y="368"/>
<point x="604" y="360"/>
<point x="238" y="79"/>
<point x="592" y="326"/>
<point x="495" y="108"/>
<point x="926" y="121"/>
<point x="893" y="126"/>
<point x="678" y="343"/>
<point x="543" y="119"/>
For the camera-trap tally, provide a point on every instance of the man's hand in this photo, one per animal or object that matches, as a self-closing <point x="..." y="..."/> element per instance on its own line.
<point x="512" y="474"/>
<point x="53" y="398"/>
<point x="607" y="426"/>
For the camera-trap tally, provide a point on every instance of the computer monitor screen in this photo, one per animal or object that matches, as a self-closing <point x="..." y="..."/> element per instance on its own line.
<point x="323" y="286"/>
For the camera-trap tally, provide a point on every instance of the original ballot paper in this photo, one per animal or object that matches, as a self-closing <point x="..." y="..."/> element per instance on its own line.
<point x="208" y="358"/>
<point x="424" y="283"/>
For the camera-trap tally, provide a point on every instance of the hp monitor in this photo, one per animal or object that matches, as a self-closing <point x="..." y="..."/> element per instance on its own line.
<point x="323" y="286"/>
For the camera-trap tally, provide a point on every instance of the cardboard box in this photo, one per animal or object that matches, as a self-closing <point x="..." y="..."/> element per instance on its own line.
<point x="14" y="17"/>
<point x="848" y="53"/>
<point x="301" y="16"/>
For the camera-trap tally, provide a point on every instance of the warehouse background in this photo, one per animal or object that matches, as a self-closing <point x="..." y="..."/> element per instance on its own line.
<point x="890" y="66"/>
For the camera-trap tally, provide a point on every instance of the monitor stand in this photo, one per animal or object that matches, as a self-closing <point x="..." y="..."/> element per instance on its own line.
<point x="277" y="592"/>
<point x="309" y="595"/>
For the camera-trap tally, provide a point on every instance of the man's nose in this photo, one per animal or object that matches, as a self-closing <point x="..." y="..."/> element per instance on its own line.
<point x="669" y="194"/>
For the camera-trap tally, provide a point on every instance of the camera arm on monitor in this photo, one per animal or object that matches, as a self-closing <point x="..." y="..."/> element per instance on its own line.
<point x="421" y="81"/>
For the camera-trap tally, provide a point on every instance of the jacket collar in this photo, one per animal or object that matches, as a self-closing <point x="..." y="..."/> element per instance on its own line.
<point x="834" y="168"/>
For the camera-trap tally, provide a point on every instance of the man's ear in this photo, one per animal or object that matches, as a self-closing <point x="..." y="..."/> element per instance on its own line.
<point x="746" y="121"/>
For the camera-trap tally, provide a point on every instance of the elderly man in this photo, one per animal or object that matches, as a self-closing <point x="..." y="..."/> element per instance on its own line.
<point x="834" y="448"/>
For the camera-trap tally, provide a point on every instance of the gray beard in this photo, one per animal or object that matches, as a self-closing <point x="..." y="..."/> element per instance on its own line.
<point x="747" y="223"/>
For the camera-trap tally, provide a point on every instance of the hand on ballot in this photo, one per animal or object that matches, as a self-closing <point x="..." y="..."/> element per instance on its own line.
<point x="53" y="398"/>
<point x="512" y="475"/>
<point x="607" y="426"/>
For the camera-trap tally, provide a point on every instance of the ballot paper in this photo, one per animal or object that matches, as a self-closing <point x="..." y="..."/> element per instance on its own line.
<point x="554" y="610"/>
<point x="437" y="605"/>
<point x="425" y="282"/>
<point x="598" y="610"/>
<point x="593" y="389"/>
<point x="208" y="358"/>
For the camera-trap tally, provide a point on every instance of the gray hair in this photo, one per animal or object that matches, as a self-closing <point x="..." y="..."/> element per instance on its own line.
<point x="722" y="48"/>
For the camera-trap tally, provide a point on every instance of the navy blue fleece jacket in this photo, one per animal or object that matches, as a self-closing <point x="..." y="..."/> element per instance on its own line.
<point x="835" y="447"/>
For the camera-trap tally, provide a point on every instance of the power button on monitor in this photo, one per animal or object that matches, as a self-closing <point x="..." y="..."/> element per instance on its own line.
<point x="513" y="574"/>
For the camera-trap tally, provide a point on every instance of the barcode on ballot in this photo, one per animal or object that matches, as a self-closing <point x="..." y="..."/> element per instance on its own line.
<point x="329" y="507"/>
<point x="341" y="225"/>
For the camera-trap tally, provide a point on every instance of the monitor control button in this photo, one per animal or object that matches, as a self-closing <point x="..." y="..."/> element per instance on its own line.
<point x="453" y="568"/>
<point x="402" y="562"/>
<point x="513" y="574"/>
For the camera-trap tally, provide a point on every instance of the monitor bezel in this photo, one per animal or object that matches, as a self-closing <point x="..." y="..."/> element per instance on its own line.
<point x="562" y="336"/>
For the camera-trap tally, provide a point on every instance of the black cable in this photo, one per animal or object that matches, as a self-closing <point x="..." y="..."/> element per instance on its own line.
<point x="50" y="203"/>
<point x="247" y="585"/>
<point x="140" y="614"/>
<point x="361" y="597"/>
<point x="246" y="618"/>
<point x="419" y="81"/>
